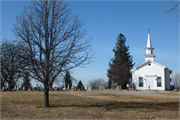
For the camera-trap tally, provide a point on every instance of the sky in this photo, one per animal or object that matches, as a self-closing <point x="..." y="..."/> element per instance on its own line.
<point x="104" y="21"/>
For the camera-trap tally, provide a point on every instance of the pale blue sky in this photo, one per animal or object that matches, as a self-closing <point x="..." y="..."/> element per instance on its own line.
<point x="105" y="20"/>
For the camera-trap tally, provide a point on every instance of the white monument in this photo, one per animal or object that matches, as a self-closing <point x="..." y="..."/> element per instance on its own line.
<point x="150" y="74"/>
<point x="64" y="86"/>
<point x="68" y="87"/>
<point x="17" y="87"/>
<point x="86" y="87"/>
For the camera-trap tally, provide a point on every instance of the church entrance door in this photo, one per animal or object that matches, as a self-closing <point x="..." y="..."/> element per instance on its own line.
<point x="149" y="83"/>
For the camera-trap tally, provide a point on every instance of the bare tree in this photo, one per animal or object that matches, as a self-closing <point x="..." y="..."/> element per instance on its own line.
<point x="54" y="40"/>
<point x="176" y="79"/>
<point x="97" y="82"/>
<point x="11" y="63"/>
<point x="171" y="6"/>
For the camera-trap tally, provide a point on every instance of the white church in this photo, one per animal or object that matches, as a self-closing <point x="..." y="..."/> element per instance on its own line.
<point x="150" y="74"/>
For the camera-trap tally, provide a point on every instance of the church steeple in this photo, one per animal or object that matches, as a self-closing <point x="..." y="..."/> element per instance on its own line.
<point x="149" y="49"/>
<point x="149" y="40"/>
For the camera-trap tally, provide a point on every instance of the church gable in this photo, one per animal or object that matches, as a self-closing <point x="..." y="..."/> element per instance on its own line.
<point x="150" y="68"/>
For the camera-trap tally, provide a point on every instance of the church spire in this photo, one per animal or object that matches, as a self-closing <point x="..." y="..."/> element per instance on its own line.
<point x="149" y="49"/>
<point x="149" y="40"/>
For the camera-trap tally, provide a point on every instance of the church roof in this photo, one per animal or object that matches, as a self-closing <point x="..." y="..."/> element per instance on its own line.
<point x="146" y="62"/>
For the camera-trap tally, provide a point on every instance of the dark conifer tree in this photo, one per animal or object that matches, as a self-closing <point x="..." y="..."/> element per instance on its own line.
<point x="109" y="83"/>
<point x="68" y="80"/>
<point x="80" y="86"/>
<point x="120" y="65"/>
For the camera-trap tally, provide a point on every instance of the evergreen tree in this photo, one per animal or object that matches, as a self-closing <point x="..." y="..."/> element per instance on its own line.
<point x="120" y="65"/>
<point x="80" y="86"/>
<point x="109" y="83"/>
<point x="68" y="80"/>
<point x="26" y="82"/>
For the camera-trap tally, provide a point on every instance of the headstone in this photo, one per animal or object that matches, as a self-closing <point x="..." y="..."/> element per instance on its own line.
<point x="117" y="87"/>
<point x="86" y="87"/>
<point x="72" y="88"/>
<point x="18" y="87"/>
<point x="100" y="87"/>
<point x="36" y="87"/>
<point x="59" y="87"/>
<point x="68" y="87"/>
<point x="3" y="87"/>
<point x="113" y="87"/>
<point x="103" y="88"/>
<point x="23" y="88"/>
<point x="29" y="88"/>
<point x="14" y="87"/>
<point x="89" y="88"/>
<point x="64" y="86"/>
<point x="40" y="88"/>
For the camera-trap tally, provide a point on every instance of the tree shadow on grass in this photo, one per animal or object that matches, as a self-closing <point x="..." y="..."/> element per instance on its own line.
<point x="117" y="105"/>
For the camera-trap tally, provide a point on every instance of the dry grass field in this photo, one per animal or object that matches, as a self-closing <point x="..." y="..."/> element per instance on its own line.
<point x="85" y="105"/>
<point x="169" y="93"/>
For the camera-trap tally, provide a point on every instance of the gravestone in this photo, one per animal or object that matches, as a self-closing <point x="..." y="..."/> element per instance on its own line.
<point x="14" y="87"/>
<point x="36" y="87"/>
<point x="68" y="87"/>
<point x="23" y="88"/>
<point x="103" y="88"/>
<point x="3" y="87"/>
<point x="112" y="87"/>
<point x="29" y="88"/>
<point x="72" y="88"/>
<point x="86" y="87"/>
<point x="40" y="88"/>
<point x="64" y="86"/>
<point x="89" y="88"/>
<point x="117" y="87"/>
<point x="100" y="87"/>
<point x="18" y="87"/>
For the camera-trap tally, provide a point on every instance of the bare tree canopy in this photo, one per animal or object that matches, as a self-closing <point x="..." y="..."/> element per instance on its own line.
<point x="97" y="82"/>
<point x="54" y="40"/>
<point x="176" y="79"/>
<point x="171" y="6"/>
<point x="11" y="63"/>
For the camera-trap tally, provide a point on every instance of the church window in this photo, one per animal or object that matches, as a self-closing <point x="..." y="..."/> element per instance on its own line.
<point x="158" y="81"/>
<point x="140" y="81"/>
<point x="149" y="64"/>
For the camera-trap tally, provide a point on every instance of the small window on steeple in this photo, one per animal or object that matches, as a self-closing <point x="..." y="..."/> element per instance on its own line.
<point x="149" y="64"/>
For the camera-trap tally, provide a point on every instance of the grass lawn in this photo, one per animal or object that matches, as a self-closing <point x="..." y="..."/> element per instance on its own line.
<point x="169" y="93"/>
<point x="85" y="105"/>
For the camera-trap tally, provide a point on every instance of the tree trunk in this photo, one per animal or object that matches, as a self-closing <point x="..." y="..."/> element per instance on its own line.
<point x="46" y="97"/>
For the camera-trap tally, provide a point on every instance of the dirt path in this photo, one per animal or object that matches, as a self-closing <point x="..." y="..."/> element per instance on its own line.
<point x="143" y="93"/>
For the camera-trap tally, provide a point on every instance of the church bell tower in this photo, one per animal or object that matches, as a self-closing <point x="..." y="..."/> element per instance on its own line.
<point x="149" y="49"/>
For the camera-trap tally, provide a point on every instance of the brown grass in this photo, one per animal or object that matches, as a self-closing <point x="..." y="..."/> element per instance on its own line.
<point x="169" y="93"/>
<point x="85" y="105"/>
